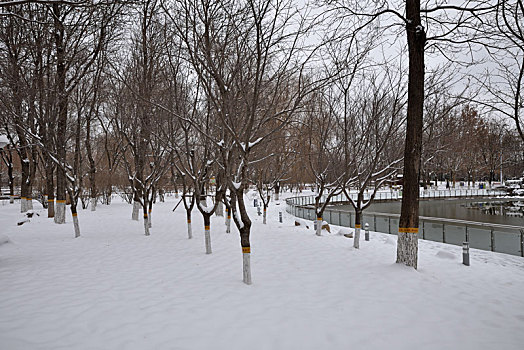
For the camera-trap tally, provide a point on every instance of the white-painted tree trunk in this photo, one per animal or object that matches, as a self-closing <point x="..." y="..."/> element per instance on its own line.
<point x="189" y="230"/>
<point x="93" y="204"/>
<point x="29" y="204"/>
<point x="11" y="199"/>
<point x="45" y="198"/>
<point x="23" y="205"/>
<point x="277" y="196"/>
<point x="149" y="220"/>
<point x="228" y="223"/>
<point x="60" y="210"/>
<point x="264" y="221"/>
<point x="226" y="216"/>
<point x="319" y="226"/>
<point x="356" y="240"/>
<point x="220" y="209"/>
<point x="77" y="225"/>
<point x="136" y="208"/>
<point x="407" y="249"/>
<point x="146" y="226"/>
<point x="207" y="235"/>
<point x="246" y="267"/>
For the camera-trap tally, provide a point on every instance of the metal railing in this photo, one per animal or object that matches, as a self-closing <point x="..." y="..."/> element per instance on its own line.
<point x="486" y="236"/>
<point x="396" y="195"/>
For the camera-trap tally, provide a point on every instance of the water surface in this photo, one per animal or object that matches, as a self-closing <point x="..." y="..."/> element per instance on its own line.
<point x="496" y="211"/>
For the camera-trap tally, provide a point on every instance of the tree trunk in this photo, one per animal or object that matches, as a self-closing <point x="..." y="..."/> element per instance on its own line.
<point x="107" y="195"/>
<point x="146" y="219"/>
<point x="146" y="225"/>
<point x="60" y="207"/>
<point x="24" y="184"/>
<point x="319" y="225"/>
<point x="228" y="222"/>
<point x="228" y="219"/>
<point x="62" y="115"/>
<point x="245" y="230"/>
<point x="32" y="173"/>
<point x="189" y="230"/>
<point x="264" y="220"/>
<point x="407" y="244"/>
<point x="75" y="218"/>
<point x="92" y="167"/>
<point x="136" y="209"/>
<point x="207" y="232"/>
<point x="246" y="257"/>
<point x="220" y="209"/>
<point x="358" y="225"/>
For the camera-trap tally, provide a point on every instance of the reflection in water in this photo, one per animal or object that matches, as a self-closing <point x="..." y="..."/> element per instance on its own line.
<point x="504" y="208"/>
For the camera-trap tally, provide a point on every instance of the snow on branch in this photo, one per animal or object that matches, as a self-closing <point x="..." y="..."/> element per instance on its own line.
<point x="389" y="166"/>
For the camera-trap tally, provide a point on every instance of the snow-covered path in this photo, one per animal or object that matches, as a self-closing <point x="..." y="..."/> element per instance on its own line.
<point x="114" y="288"/>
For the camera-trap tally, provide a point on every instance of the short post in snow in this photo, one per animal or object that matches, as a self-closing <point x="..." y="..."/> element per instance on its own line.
<point x="280" y="216"/>
<point x="258" y="211"/>
<point x="366" y="227"/>
<point x="255" y="202"/>
<point x="465" y="253"/>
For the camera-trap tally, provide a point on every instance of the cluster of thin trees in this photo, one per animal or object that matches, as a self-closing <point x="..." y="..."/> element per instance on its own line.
<point x="150" y="95"/>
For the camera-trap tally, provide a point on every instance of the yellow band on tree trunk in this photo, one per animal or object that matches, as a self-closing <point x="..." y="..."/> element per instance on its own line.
<point x="60" y="201"/>
<point x="408" y="229"/>
<point x="357" y="226"/>
<point x="246" y="249"/>
<point x="207" y="228"/>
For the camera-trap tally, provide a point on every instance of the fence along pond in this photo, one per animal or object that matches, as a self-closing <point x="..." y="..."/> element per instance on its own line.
<point x="486" y="236"/>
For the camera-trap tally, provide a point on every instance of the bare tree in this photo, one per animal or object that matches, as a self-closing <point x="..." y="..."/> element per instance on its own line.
<point x="18" y="102"/>
<point x="501" y="87"/>
<point x="139" y="122"/>
<point x="369" y="125"/>
<point x="246" y="56"/>
<point x="322" y="152"/>
<point x="443" y="38"/>
<point x="268" y="175"/>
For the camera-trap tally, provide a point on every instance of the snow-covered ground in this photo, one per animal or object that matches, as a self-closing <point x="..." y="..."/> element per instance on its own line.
<point x="114" y="288"/>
